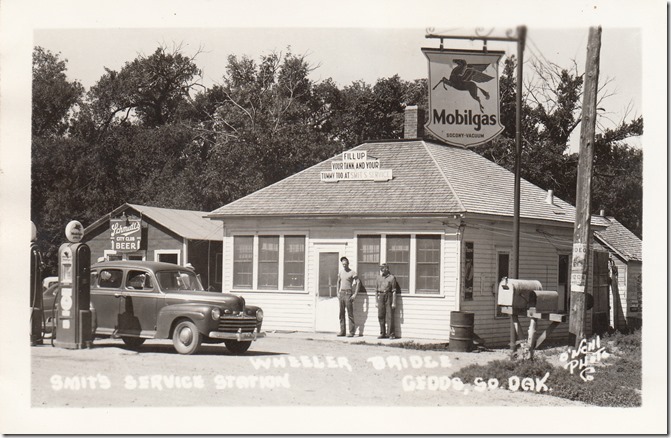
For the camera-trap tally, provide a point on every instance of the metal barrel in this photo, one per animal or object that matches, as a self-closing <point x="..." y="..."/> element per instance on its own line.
<point x="461" y="331"/>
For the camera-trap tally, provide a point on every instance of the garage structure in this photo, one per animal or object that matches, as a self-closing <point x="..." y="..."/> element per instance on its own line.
<point x="163" y="235"/>
<point x="439" y="216"/>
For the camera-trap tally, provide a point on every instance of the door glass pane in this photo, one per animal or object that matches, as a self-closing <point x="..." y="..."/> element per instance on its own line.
<point x="328" y="274"/>
<point x="502" y="269"/>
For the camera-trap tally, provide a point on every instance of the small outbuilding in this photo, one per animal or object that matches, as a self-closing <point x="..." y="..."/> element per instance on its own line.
<point x="626" y="271"/>
<point x="441" y="217"/>
<point x="140" y="232"/>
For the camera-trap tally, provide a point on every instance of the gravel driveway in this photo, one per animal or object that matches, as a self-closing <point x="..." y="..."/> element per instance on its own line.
<point x="284" y="369"/>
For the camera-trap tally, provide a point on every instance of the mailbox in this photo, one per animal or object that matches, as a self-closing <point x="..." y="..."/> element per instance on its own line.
<point x="544" y="301"/>
<point x="527" y="295"/>
<point x="517" y="293"/>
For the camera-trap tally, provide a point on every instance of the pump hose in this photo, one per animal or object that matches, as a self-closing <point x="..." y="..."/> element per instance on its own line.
<point x="53" y="312"/>
<point x="44" y="322"/>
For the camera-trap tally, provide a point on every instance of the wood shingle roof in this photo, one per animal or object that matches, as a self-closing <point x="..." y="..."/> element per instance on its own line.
<point x="620" y="240"/>
<point x="428" y="179"/>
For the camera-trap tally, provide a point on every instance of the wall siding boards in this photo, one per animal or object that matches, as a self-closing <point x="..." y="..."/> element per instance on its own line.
<point x="417" y="316"/>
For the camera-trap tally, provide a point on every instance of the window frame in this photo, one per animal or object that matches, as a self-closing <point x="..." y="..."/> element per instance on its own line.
<point x="412" y="275"/>
<point x="280" y="262"/>
<point x="283" y="244"/>
<point x="160" y="252"/>
<point x="250" y="262"/>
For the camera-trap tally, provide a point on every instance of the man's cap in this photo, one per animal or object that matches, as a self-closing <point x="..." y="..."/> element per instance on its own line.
<point x="383" y="265"/>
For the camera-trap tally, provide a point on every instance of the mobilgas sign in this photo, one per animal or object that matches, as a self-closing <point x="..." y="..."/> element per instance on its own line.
<point x="463" y="96"/>
<point x="126" y="234"/>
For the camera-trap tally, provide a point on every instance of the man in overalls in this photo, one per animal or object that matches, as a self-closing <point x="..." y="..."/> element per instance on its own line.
<point x="387" y="288"/>
<point x="347" y="286"/>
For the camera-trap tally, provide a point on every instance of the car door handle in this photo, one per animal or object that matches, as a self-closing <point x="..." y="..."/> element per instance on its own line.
<point x="120" y="295"/>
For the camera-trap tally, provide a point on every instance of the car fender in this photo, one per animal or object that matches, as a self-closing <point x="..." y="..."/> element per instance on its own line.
<point x="198" y="313"/>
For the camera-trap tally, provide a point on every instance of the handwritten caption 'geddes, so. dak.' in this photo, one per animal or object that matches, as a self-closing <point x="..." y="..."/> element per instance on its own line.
<point x="412" y="375"/>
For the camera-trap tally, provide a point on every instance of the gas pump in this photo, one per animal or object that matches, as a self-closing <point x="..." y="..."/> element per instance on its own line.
<point x="36" y="305"/>
<point x="73" y="317"/>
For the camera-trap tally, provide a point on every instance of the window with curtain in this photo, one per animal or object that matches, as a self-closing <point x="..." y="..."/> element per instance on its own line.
<point x="294" y="262"/>
<point x="398" y="259"/>
<point x="428" y="264"/>
<point x="368" y="264"/>
<point x="243" y="253"/>
<point x="269" y="259"/>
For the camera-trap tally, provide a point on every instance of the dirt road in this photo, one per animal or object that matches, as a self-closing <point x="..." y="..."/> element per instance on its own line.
<point x="281" y="370"/>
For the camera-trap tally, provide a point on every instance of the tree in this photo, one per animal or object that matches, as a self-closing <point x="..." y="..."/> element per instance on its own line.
<point x="53" y="95"/>
<point x="150" y="88"/>
<point x="551" y="112"/>
<point x="268" y="124"/>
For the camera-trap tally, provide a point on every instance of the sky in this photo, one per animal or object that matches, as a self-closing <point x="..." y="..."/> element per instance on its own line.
<point x="350" y="40"/>
<point x="351" y="54"/>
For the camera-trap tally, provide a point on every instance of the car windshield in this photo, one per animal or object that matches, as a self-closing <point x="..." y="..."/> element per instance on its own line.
<point x="178" y="280"/>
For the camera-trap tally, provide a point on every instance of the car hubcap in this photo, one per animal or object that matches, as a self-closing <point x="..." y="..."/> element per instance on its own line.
<point x="185" y="336"/>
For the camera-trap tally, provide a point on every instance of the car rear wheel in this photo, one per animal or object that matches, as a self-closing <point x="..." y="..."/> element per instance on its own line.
<point x="132" y="342"/>
<point x="186" y="338"/>
<point x="237" y="347"/>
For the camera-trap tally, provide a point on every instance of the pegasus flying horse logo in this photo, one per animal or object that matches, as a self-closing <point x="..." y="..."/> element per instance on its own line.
<point x="465" y="76"/>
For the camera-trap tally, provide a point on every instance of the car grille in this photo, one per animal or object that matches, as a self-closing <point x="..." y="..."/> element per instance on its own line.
<point x="231" y="324"/>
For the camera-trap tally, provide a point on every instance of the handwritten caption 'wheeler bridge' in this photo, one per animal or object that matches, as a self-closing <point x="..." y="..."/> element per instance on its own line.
<point x="356" y="166"/>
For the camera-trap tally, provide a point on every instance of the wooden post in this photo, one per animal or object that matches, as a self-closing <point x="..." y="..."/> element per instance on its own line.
<point x="582" y="231"/>
<point x="515" y="268"/>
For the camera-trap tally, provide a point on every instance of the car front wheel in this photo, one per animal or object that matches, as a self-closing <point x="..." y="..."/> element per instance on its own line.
<point x="237" y="347"/>
<point x="186" y="338"/>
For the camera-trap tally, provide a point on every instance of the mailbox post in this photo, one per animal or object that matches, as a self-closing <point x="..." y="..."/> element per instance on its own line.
<point x="527" y="297"/>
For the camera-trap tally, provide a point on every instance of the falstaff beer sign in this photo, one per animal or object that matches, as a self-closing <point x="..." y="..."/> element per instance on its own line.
<point x="126" y="234"/>
<point x="463" y="96"/>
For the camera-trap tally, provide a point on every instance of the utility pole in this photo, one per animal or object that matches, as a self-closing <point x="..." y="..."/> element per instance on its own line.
<point x="582" y="231"/>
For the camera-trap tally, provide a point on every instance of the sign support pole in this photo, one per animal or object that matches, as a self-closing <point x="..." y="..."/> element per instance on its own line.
<point x="515" y="271"/>
<point x="581" y="231"/>
<point x="520" y="39"/>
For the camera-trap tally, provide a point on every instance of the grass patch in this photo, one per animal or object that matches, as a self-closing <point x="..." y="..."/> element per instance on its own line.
<point x="616" y="379"/>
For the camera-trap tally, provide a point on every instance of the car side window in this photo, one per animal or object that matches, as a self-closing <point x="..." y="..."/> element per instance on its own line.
<point x="139" y="280"/>
<point x="110" y="278"/>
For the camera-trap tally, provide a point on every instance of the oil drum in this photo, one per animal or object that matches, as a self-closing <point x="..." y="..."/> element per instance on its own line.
<point x="461" y="331"/>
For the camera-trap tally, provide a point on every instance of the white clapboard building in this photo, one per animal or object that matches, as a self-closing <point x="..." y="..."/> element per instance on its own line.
<point x="440" y="216"/>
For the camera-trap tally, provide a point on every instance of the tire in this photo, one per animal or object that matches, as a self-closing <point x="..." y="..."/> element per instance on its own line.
<point x="186" y="338"/>
<point x="237" y="347"/>
<point x="132" y="342"/>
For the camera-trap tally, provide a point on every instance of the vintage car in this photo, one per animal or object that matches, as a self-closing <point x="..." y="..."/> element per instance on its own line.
<point x="139" y="300"/>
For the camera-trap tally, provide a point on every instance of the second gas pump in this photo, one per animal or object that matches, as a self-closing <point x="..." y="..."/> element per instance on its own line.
<point x="74" y="318"/>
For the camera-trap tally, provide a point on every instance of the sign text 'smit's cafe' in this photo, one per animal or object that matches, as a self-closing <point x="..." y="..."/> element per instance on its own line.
<point x="463" y="96"/>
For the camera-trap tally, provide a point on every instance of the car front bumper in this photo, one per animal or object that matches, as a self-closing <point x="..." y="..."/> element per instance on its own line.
<point x="238" y="336"/>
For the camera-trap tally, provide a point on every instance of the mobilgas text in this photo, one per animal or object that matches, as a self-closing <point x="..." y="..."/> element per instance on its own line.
<point x="466" y="118"/>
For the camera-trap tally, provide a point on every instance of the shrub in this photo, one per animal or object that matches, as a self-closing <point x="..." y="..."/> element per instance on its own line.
<point x="612" y="385"/>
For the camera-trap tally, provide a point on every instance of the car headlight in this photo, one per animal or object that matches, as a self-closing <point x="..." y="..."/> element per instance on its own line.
<point x="259" y="315"/>
<point x="216" y="313"/>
